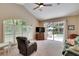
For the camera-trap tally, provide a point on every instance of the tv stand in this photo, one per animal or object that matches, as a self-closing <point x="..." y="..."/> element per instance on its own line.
<point x="39" y="35"/>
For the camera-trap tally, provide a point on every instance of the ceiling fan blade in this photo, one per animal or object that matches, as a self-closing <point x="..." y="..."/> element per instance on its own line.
<point x="37" y="3"/>
<point x="36" y="7"/>
<point x="47" y="4"/>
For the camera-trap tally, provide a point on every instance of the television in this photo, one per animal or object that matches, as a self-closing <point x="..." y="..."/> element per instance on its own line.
<point x="40" y="29"/>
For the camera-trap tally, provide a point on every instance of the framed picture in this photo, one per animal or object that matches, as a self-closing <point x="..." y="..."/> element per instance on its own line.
<point x="71" y="27"/>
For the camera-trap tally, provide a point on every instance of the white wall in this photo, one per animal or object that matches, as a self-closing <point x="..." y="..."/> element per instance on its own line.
<point x="15" y="11"/>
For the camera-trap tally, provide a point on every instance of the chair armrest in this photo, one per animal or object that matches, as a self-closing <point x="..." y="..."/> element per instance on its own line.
<point x="31" y="48"/>
<point x="32" y="45"/>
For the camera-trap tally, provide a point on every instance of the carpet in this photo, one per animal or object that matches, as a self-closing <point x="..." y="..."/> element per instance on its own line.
<point x="48" y="48"/>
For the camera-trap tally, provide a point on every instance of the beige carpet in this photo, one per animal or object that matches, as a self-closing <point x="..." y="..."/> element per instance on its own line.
<point x="49" y="48"/>
<point x="45" y="48"/>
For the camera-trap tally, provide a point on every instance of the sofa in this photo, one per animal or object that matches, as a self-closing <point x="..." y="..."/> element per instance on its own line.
<point x="26" y="47"/>
<point x="70" y="42"/>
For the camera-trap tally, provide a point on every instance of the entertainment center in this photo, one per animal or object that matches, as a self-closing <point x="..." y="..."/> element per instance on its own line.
<point x="40" y="33"/>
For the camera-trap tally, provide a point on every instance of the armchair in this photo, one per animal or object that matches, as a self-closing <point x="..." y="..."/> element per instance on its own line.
<point x="25" y="47"/>
<point x="69" y="42"/>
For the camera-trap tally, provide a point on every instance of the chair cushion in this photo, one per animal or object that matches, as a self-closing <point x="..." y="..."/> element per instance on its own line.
<point x="76" y="48"/>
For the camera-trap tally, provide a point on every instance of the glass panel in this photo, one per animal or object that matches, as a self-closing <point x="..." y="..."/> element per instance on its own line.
<point x="8" y="30"/>
<point x="59" y="35"/>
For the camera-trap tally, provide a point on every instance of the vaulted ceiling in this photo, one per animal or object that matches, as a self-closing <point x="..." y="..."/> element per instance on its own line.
<point x="55" y="11"/>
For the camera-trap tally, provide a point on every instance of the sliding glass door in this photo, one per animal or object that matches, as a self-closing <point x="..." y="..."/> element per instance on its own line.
<point x="58" y="31"/>
<point x="55" y="30"/>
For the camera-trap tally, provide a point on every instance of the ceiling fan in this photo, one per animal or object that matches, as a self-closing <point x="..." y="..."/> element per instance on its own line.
<point x="41" y="5"/>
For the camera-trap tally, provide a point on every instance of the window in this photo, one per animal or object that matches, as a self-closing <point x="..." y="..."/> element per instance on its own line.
<point x="13" y="28"/>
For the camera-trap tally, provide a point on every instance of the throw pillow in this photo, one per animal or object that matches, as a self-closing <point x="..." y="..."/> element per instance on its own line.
<point x="71" y="41"/>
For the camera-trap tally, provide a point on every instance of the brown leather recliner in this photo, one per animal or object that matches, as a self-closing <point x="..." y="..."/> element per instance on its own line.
<point x="25" y="47"/>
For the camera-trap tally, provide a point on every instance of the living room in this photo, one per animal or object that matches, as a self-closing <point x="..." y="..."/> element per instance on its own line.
<point x="21" y="20"/>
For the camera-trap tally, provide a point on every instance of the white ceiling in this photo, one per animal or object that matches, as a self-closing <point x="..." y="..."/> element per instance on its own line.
<point x="55" y="11"/>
